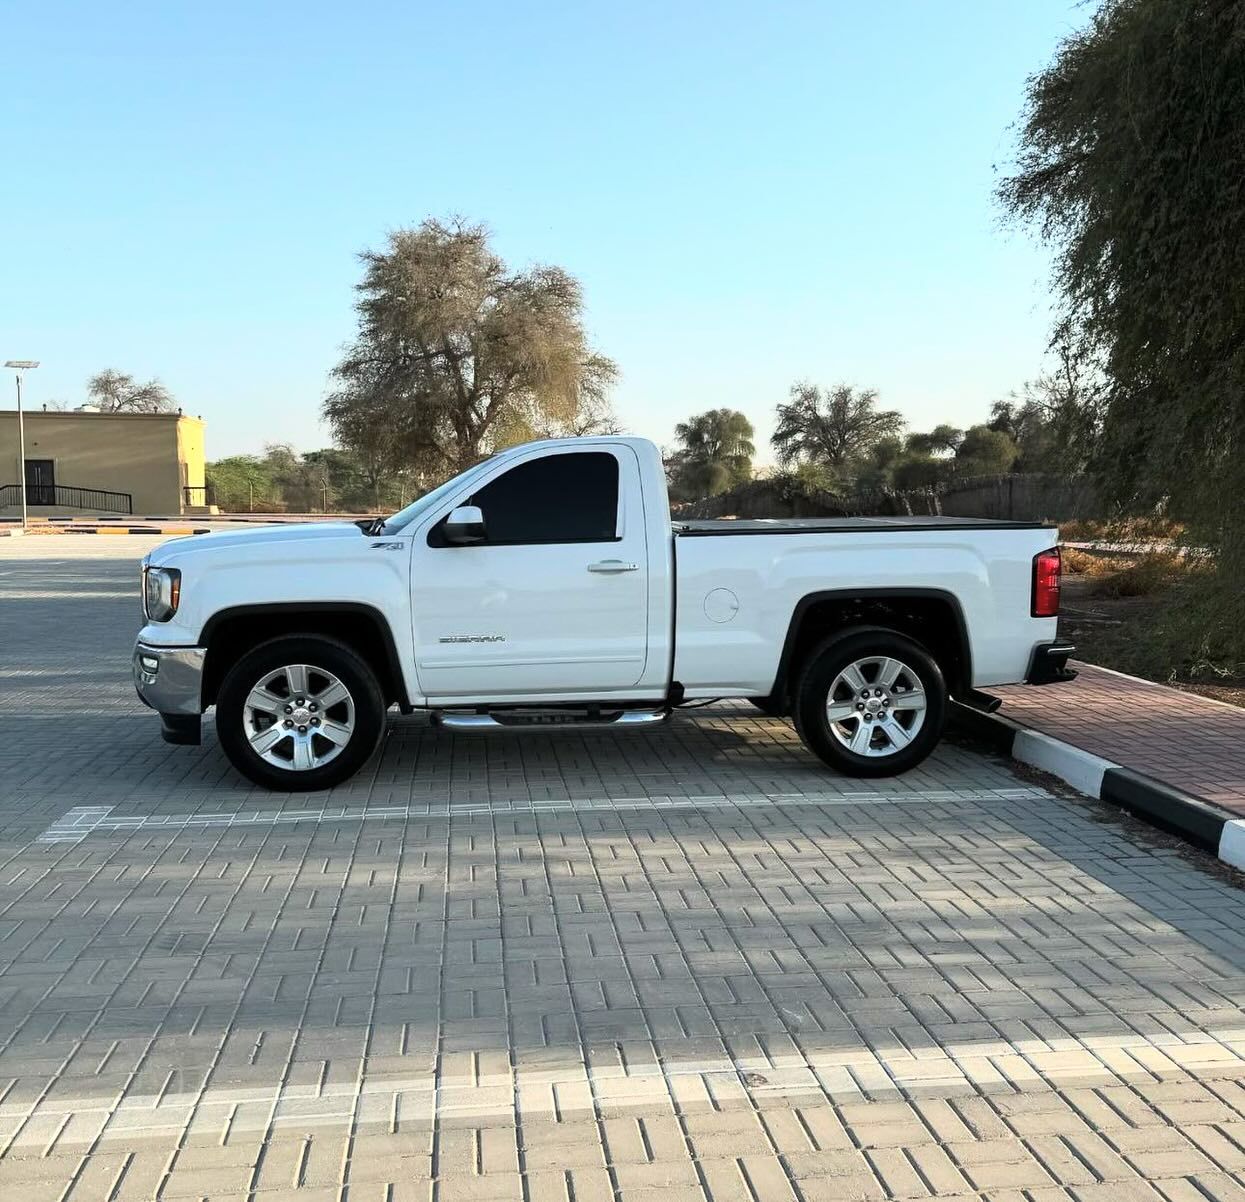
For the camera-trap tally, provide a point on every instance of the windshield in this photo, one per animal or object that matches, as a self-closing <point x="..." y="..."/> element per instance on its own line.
<point x="416" y="509"/>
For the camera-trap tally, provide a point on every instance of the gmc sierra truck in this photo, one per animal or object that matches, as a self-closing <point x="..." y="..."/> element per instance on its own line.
<point x="548" y="587"/>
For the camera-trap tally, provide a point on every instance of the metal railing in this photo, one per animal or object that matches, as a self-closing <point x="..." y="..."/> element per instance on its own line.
<point x="67" y="495"/>
<point x="198" y="494"/>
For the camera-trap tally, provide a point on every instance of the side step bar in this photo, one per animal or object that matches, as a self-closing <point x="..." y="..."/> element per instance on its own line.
<point x="546" y="721"/>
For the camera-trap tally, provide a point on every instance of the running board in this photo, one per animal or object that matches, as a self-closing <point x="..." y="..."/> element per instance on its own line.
<point x="547" y="720"/>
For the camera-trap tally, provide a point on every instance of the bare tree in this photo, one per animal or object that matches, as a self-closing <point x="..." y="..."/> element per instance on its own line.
<point x="118" y="392"/>
<point x="457" y="355"/>
<point x="834" y="428"/>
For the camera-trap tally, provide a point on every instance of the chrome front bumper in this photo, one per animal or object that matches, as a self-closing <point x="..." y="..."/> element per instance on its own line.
<point x="170" y="679"/>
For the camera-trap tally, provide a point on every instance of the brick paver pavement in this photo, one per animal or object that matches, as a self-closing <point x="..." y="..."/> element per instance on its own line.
<point x="1179" y="738"/>
<point x="568" y="968"/>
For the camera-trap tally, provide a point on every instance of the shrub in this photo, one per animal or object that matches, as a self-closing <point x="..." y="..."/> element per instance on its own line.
<point x="1148" y="574"/>
<point x="1196" y="630"/>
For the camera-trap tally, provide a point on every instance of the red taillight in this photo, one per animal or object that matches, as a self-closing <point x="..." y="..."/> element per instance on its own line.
<point x="1046" y="568"/>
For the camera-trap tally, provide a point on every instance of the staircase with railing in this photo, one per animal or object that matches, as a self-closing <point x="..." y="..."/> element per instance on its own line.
<point x="67" y="497"/>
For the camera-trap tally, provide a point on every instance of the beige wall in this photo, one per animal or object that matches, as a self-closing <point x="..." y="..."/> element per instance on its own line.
<point x="149" y="456"/>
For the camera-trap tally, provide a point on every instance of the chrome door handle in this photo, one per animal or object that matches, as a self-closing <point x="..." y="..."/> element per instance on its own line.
<point x="612" y="565"/>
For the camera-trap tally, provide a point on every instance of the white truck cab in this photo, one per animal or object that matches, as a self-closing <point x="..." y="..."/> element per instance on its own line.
<point x="547" y="586"/>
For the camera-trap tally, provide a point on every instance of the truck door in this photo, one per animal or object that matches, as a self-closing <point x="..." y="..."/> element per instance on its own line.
<point x="554" y="600"/>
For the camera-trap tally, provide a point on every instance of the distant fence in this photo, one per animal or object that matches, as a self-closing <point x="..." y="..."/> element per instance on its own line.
<point x="67" y="496"/>
<point x="1016" y="498"/>
<point x="1022" y="498"/>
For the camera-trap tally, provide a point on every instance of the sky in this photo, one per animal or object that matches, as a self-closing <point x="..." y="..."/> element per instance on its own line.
<point x="751" y="194"/>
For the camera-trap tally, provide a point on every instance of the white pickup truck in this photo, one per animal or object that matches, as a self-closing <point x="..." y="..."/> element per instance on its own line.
<point x="547" y="586"/>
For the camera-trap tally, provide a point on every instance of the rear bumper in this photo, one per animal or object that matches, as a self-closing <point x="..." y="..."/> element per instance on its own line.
<point x="1049" y="664"/>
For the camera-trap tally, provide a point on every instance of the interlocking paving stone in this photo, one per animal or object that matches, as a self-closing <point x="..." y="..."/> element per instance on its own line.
<point x="682" y="965"/>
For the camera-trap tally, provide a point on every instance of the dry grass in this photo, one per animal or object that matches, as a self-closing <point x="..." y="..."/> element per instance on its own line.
<point x="1145" y="576"/>
<point x="1122" y="530"/>
<point x="1083" y="563"/>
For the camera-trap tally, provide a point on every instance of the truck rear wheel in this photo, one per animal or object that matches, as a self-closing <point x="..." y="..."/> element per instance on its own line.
<point x="300" y="713"/>
<point x="871" y="703"/>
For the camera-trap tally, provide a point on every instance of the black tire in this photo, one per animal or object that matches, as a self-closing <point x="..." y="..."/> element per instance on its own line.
<point x="820" y="672"/>
<point x="331" y="657"/>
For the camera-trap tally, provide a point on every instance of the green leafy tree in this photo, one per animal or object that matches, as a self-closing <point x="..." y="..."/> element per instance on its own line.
<point x="941" y="440"/>
<point x="1055" y="421"/>
<point x="918" y="469"/>
<point x="714" y="454"/>
<point x="236" y="482"/>
<point x="1130" y="165"/>
<point x="457" y="354"/>
<point x="332" y="479"/>
<point x="877" y="472"/>
<point x="838" y="427"/>
<point x="117" y="392"/>
<point x="985" y="452"/>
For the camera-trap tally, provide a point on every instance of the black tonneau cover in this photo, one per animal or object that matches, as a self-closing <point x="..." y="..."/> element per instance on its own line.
<point x="715" y="526"/>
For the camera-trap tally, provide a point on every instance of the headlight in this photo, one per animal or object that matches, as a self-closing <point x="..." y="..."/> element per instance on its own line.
<point x="162" y="590"/>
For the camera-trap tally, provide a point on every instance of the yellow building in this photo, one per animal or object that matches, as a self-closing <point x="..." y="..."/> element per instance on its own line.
<point x="84" y="461"/>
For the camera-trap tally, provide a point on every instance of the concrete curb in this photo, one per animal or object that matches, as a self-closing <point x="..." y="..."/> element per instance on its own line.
<point x="1217" y="831"/>
<point x="131" y="530"/>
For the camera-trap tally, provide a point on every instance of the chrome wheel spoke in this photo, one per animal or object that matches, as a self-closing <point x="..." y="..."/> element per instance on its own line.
<point x="851" y="677"/>
<point x="303" y="756"/>
<point x="331" y="695"/>
<point x="337" y="733"/>
<point x="888" y="673"/>
<point x="265" y="740"/>
<point x="861" y="737"/>
<point x="840" y="711"/>
<point x="263" y="699"/>
<point x="296" y="678"/>
<point x="912" y="700"/>
<point x="898" y="736"/>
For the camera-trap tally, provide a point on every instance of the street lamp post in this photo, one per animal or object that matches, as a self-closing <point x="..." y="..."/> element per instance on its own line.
<point x="21" y="365"/>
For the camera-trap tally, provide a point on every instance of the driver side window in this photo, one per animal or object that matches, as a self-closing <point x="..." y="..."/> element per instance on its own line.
<point x="556" y="499"/>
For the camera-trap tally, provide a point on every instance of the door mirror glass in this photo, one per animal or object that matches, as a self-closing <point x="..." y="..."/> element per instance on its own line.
<point x="465" y="525"/>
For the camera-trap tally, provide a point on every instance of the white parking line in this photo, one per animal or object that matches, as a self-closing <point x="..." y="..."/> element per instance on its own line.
<point x="81" y="821"/>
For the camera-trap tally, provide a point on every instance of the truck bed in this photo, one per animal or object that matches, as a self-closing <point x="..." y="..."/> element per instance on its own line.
<point x="713" y="527"/>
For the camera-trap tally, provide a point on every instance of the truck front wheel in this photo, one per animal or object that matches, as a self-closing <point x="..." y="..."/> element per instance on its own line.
<point x="871" y="703"/>
<point x="299" y="713"/>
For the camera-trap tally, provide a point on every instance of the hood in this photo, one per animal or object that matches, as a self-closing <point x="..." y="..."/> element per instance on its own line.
<point x="256" y="538"/>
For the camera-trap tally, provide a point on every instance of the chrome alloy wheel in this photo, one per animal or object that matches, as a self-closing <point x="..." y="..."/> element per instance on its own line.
<point x="876" y="706"/>
<point x="298" y="717"/>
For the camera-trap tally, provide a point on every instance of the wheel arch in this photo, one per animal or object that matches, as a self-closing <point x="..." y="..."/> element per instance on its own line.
<point x="232" y="632"/>
<point x="932" y="617"/>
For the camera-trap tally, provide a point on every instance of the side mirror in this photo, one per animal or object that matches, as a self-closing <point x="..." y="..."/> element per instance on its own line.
<point x="465" y="525"/>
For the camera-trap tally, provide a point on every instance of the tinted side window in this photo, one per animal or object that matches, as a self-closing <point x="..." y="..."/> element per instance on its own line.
<point x="558" y="499"/>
